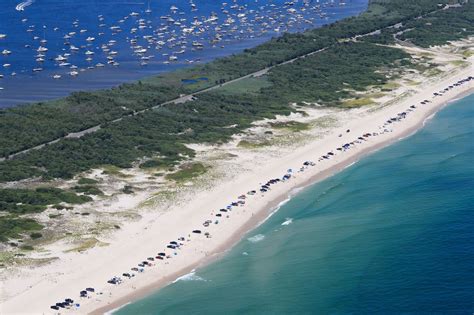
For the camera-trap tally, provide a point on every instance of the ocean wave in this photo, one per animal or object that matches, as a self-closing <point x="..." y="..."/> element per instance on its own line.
<point x="116" y="309"/>
<point x="350" y="164"/>
<point x="288" y="221"/>
<point x="256" y="238"/>
<point x="189" y="277"/>
<point x="21" y="6"/>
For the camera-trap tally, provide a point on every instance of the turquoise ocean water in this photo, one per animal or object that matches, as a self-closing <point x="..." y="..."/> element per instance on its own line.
<point x="394" y="233"/>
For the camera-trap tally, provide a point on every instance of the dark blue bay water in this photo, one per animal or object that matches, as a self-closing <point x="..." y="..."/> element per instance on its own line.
<point x="392" y="234"/>
<point x="162" y="31"/>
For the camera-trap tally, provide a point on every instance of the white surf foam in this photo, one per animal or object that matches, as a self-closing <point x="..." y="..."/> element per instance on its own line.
<point x="256" y="238"/>
<point x="189" y="277"/>
<point x="116" y="309"/>
<point x="288" y="221"/>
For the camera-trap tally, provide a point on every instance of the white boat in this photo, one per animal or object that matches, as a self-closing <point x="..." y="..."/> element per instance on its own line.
<point x="73" y="73"/>
<point x="56" y="76"/>
<point x="42" y="49"/>
<point x="60" y="58"/>
<point x="141" y="51"/>
<point x="6" y="52"/>
<point x="6" y="65"/>
<point x="2" y="36"/>
<point x="90" y="39"/>
<point x="89" y="52"/>
<point x="37" y="69"/>
<point x="148" y="10"/>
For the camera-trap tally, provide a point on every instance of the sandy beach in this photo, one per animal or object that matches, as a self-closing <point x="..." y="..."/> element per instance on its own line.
<point x="32" y="290"/>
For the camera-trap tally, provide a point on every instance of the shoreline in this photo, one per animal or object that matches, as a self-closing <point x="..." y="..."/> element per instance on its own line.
<point x="138" y="240"/>
<point x="274" y="205"/>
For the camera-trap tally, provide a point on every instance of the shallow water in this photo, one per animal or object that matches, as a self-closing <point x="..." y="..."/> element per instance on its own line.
<point x="391" y="234"/>
<point x="46" y="15"/>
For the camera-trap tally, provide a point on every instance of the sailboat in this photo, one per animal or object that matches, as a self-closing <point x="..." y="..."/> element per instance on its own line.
<point x="148" y="11"/>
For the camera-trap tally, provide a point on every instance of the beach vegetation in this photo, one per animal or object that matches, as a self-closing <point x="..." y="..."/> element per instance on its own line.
<point x="87" y="244"/>
<point x="390" y="86"/>
<point x="88" y="190"/>
<point x="468" y="53"/>
<point x="187" y="172"/>
<point x="36" y="235"/>
<point x="294" y="126"/>
<point x="24" y="201"/>
<point x="13" y="227"/>
<point x="358" y="102"/>
<point x="159" y="163"/>
<point x="127" y="189"/>
<point x="254" y="144"/>
<point x="87" y="181"/>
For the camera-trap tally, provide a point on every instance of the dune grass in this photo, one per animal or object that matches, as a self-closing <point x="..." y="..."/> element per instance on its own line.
<point x="187" y="172"/>
<point x="358" y="102"/>
<point x="246" y="144"/>
<point x="294" y="126"/>
<point x="87" y="244"/>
